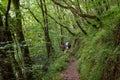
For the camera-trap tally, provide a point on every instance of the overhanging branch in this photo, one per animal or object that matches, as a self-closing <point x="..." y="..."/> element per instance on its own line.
<point x="35" y="17"/>
<point x="75" y="11"/>
<point x="73" y="34"/>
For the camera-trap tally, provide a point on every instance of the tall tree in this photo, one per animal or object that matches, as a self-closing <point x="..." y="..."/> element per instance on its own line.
<point x="7" y="52"/>
<point x="21" y="40"/>
<point x="49" y="46"/>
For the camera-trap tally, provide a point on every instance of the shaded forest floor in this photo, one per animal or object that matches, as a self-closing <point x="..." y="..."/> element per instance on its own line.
<point x="71" y="73"/>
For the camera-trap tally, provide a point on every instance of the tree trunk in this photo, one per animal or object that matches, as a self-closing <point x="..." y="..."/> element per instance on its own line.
<point x="20" y="37"/>
<point x="6" y="68"/>
<point x="46" y="29"/>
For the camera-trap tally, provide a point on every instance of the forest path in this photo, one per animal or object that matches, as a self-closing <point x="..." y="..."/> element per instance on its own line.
<point x="71" y="73"/>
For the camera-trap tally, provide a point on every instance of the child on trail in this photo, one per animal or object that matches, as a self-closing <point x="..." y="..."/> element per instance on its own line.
<point x="62" y="47"/>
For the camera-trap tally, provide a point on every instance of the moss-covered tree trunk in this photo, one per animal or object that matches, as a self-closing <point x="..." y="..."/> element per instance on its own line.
<point x="21" y="40"/>
<point x="49" y="46"/>
<point x="6" y="52"/>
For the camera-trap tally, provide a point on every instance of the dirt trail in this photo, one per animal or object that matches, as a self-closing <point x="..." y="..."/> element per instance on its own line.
<point x="71" y="73"/>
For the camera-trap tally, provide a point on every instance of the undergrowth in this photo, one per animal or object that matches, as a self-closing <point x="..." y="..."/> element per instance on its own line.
<point x="96" y="55"/>
<point x="56" y="67"/>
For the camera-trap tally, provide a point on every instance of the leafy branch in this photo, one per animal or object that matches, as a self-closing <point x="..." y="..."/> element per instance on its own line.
<point x="79" y="13"/>
<point x="73" y="34"/>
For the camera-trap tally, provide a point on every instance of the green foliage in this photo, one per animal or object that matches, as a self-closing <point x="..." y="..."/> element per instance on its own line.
<point x="55" y="67"/>
<point x="97" y="53"/>
<point x="52" y="76"/>
<point x="60" y="63"/>
<point x="95" y="56"/>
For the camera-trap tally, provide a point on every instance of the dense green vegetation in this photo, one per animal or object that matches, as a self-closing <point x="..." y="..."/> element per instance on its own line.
<point x="31" y="32"/>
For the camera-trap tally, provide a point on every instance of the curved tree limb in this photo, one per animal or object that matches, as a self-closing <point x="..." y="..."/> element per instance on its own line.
<point x="75" y="11"/>
<point x="33" y="15"/>
<point x="73" y="34"/>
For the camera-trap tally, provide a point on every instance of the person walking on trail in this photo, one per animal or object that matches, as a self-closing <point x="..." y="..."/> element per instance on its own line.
<point x="68" y="46"/>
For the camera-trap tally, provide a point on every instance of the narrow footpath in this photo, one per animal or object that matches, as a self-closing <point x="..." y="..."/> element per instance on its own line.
<point x="71" y="73"/>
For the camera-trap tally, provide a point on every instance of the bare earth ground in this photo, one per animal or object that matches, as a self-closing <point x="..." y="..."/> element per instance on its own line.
<point x="71" y="73"/>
